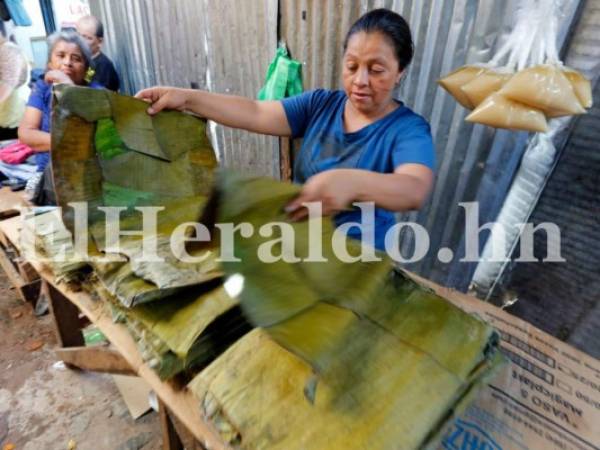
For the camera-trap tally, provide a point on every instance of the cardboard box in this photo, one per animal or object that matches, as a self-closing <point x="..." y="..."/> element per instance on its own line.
<point x="547" y="397"/>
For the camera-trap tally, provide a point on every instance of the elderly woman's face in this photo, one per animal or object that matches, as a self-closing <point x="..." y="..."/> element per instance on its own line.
<point x="370" y="72"/>
<point x="68" y="58"/>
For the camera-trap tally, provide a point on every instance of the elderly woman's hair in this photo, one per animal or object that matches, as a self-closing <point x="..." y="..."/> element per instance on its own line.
<point x="72" y="38"/>
<point x="392" y="26"/>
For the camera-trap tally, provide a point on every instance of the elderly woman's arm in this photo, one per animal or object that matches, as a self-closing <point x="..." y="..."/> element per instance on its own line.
<point x="30" y="133"/>
<point x="265" y="117"/>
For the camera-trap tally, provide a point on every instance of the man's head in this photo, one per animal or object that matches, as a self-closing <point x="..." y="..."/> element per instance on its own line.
<point x="91" y="29"/>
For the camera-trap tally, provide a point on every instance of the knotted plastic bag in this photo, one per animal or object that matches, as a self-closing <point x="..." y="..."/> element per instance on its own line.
<point x="532" y="84"/>
<point x="499" y="111"/>
<point x="486" y="83"/>
<point x="284" y="77"/>
<point x="454" y="81"/>
<point x="546" y="88"/>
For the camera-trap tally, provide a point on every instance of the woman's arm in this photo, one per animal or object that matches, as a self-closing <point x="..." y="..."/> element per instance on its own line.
<point x="30" y="133"/>
<point x="405" y="189"/>
<point x="265" y="117"/>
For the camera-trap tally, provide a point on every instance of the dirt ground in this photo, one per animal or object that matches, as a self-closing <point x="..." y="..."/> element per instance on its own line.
<point x="43" y="407"/>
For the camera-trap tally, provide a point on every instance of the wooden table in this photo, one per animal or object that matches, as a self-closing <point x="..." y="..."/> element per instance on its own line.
<point x="122" y="357"/>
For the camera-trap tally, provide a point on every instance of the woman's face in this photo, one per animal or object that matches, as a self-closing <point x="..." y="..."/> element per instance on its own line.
<point x="370" y="72"/>
<point x="68" y="58"/>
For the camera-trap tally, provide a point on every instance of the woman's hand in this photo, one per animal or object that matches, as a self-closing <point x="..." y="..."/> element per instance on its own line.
<point x="164" y="97"/>
<point x="404" y="190"/>
<point x="57" y="77"/>
<point x="335" y="189"/>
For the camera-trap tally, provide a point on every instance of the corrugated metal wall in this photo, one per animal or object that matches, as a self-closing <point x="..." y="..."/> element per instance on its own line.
<point x="223" y="46"/>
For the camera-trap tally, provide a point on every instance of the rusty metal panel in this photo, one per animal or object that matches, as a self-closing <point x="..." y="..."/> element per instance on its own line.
<point x="241" y="40"/>
<point x="223" y="46"/>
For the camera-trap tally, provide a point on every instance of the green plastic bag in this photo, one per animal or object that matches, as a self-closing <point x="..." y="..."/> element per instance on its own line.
<point x="284" y="77"/>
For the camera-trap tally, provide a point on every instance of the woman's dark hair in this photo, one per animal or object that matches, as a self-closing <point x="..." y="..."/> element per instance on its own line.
<point x="392" y="26"/>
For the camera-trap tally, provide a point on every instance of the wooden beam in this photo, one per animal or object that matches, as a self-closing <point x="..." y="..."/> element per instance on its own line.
<point x="27" y="272"/>
<point x="65" y="315"/>
<point x="10" y="230"/>
<point x="170" y="438"/>
<point x="11" y="272"/>
<point x="285" y="159"/>
<point x="97" y="359"/>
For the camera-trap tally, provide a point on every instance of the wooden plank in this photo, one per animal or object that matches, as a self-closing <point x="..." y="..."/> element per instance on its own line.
<point x="96" y="358"/>
<point x="285" y="159"/>
<point x="170" y="437"/>
<point x="11" y="272"/>
<point x="10" y="202"/>
<point x="180" y="401"/>
<point x="11" y="230"/>
<point x="65" y="315"/>
<point x="27" y="272"/>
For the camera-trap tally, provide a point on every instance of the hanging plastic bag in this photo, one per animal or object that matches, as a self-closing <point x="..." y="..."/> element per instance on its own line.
<point x="500" y="112"/>
<point x="454" y="81"/>
<point x="486" y="83"/>
<point x="531" y="83"/>
<point x="581" y="86"/>
<point x="544" y="87"/>
<point x="284" y="77"/>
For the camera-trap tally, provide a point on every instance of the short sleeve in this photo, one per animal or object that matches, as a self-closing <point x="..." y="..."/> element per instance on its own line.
<point x="36" y="98"/>
<point x="415" y="147"/>
<point x="300" y="108"/>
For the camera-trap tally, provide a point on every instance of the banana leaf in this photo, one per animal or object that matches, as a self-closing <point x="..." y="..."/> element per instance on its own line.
<point x="403" y="398"/>
<point x="44" y="238"/>
<point x="186" y="331"/>
<point x="386" y="362"/>
<point x="107" y="151"/>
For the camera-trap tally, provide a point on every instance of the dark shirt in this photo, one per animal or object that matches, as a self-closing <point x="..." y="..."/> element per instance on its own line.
<point x="105" y="73"/>
<point x="41" y="98"/>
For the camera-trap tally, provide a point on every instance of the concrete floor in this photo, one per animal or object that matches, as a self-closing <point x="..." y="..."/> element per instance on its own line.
<point x="43" y="408"/>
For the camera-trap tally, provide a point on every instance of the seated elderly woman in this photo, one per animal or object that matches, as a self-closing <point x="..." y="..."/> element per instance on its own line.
<point x="69" y="59"/>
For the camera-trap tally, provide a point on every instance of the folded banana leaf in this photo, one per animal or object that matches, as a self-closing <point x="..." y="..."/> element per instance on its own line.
<point x="107" y="151"/>
<point x="45" y="239"/>
<point x="401" y="397"/>
<point x="187" y="330"/>
<point x="386" y="362"/>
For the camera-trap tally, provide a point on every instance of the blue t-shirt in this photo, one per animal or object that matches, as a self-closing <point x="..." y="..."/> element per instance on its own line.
<point x="398" y="138"/>
<point x="41" y="98"/>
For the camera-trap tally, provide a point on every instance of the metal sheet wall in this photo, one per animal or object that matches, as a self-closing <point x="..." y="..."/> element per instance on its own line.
<point x="223" y="46"/>
<point x="474" y="162"/>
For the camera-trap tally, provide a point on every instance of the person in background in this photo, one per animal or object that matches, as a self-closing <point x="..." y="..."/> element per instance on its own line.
<point x="92" y="31"/>
<point x="14" y="75"/>
<point x="69" y="59"/>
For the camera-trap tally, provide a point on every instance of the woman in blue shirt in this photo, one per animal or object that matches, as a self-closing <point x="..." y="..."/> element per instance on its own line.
<point x="68" y="61"/>
<point x="360" y="144"/>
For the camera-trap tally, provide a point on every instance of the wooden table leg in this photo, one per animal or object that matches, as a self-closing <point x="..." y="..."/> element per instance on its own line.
<point x="170" y="437"/>
<point x="66" y="317"/>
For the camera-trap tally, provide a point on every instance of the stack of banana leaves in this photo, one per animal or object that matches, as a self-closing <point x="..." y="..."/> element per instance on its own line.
<point x="44" y="238"/>
<point x="344" y="356"/>
<point x="108" y="152"/>
<point x="347" y="356"/>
